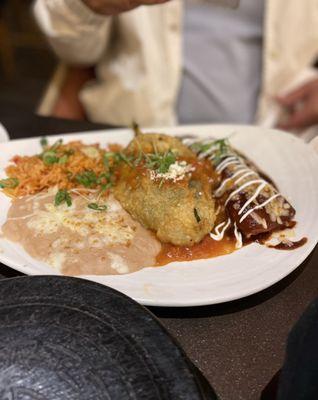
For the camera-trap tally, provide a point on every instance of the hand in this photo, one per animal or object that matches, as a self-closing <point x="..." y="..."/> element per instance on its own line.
<point x="301" y="106"/>
<point x="114" y="7"/>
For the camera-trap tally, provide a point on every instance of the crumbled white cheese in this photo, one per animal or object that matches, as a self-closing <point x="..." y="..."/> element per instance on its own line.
<point x="109" y="225"/>
<point x="118" y="264"/>
<point x="281" y="237"/>
<point x="176" y="172"/>
<point x="56" y="260"/>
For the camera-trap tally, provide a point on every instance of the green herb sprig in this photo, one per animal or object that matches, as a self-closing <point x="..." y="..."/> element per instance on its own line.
<point x="62" y="196"/>
<point x="160" y="162"/>
<point x="90" y="180"/>
<point x="116" y="158"/>
<point x="49" y="155"/>
<point x="199" y="147"/>
<point x="221" y="148"/>
<point x="44" y="142"/>
<point x="105" y="180"/>
<point x="87" y="178"/>
<point x="9" y="183"/>
<point x="109" y="156"/>
<point x="63" y="159"/>
<point x="97" y="207"/>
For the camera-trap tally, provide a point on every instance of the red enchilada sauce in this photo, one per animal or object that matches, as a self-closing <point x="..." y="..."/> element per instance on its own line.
<point x="207" y="248"/>
<point x="210" y="248"/>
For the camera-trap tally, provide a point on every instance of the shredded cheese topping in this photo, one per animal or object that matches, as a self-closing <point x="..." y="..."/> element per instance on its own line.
<point x="177" y="171"/>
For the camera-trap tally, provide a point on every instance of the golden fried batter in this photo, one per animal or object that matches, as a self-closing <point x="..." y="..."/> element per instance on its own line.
<point x="151" y="142"/>
<point x="167" y="189"/>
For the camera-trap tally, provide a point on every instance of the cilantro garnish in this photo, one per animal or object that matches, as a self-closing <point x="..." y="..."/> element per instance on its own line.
<point x="97" y="207"/>
<point x="87" y="179"/>
<point x="44" y="142"/>
<point x="110" y="155"/>
<point x="63" y="159"/>
<point x="56" y="145"/>
<point x="221" y="148"/>
<point x="62" y="196"/>
<point x="9" y="183"/>
<point x="106" y="186"/>
<point x="126" y="159"/>
<point x="160" y="162"/>
<point x="116" y="158"/>
<point x="105" y="180"/>
<point x="90" y="180"/>
<point x="49" y="155"/>
<point x="201" y="147"/>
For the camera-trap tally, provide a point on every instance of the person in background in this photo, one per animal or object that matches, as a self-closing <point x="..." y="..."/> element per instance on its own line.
<point x="301" y="105"/>
<point x="185" y="60"/>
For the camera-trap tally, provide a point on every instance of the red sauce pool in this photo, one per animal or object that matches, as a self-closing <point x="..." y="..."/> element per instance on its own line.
<point x="207" y="248"/>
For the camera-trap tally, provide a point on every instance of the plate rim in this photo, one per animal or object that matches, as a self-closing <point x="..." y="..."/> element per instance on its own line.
<point x="154" y="302"/>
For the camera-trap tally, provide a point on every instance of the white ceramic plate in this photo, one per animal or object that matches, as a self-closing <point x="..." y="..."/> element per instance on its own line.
<point x="4" y="137"/>
<point x="291" y="163"/>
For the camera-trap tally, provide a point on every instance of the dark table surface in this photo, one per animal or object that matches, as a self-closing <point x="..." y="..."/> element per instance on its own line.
<point x="239" y="345"/>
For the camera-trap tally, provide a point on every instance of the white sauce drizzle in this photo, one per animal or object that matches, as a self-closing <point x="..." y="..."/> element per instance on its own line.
<point x="245" y="176"/>
<point x="189" y="141"/>
<point x="222" y="156"/>
<point x="238" y="236"/>
<point x="246" y="184"/>
<point x="249" y="201"/>
<point x="218" y="235"/>
<point x="225" y="163"/>
<point x="233" y="159"/>
<point x="225" y="182"/>
<point x="259" y="206"/>
<point x="206" y="153"/>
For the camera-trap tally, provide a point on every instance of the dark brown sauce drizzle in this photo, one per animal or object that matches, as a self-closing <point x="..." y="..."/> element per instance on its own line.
<point x="289" y="245"/>
<point x="209" y="248"/>
<point x="262" y="238"/>
<point x="284" y="245"/>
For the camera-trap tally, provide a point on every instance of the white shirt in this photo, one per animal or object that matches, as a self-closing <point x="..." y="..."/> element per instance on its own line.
<point x="138" y="60"/>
